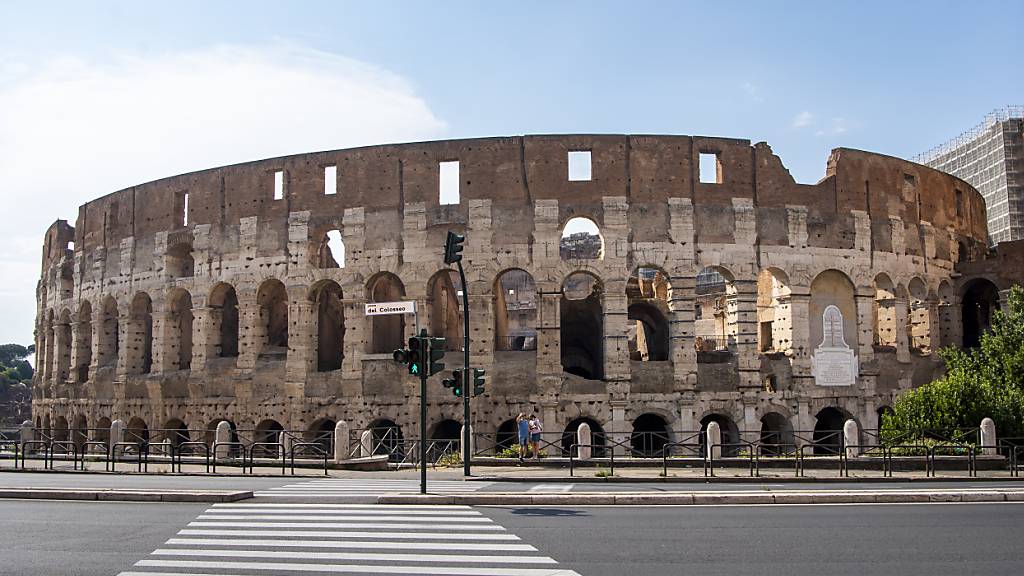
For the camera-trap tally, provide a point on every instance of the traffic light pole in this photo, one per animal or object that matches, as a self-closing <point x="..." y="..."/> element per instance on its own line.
<point x="467" y="431"/>
<point x="424" y="355"/>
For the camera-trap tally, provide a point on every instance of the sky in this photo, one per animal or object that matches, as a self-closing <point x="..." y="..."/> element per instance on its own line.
<point x="99" y="96"/>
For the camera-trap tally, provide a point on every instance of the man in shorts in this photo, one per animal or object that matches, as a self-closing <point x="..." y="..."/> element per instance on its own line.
<point x="523" y="426"/>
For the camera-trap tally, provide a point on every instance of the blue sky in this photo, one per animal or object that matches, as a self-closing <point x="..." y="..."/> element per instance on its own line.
<point x="142" y="91"/>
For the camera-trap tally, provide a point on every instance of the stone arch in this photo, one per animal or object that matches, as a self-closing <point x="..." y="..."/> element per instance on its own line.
<point x="179" y="316"/>
<point x="884" y="308"/>
<point x="83" y="342"/>
<point x="330" y="325"/>
<point x="648" y="292"/>
<point x="137" y="431"/>
<point x="223" y="303"/>
<point x="176" y="431"/>
<point x="828" y="430"/>
<point x="598" y="437"/>
<point x="979" y="301"/>
<point x="109" y="334"/>
<point x="650" y="434"/>
<point x="581" y="240"/>
<point x="833" y="288"/>
<point x="506" y="436"/>
<point x="61" y="430"/>
<point x="443" y="300"/>
<point x="387" y="333"/>
<point x="387" y="436"/>
<point x="102" y="431"/>
<point x="515" y="311"/>
<point x="582" y="326"/>
<point x="774" y="311"/>
<point x="268" y="431"/>
<point x="715" y="311"/>
<point x="447" y="429"/>
<point x="179" y="262"/>
<point x="776" y="436"/>
<point x="321" y="432"/>
<point x="272" y="299"/>
<point x="730" y="433"/>
<point x="140" y="341"/>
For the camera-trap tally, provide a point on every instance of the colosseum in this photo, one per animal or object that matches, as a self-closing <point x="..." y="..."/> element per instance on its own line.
<point x="635" y="283"/>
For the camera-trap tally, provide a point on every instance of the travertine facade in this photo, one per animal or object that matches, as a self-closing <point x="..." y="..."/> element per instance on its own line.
<point x="215" y="295"/>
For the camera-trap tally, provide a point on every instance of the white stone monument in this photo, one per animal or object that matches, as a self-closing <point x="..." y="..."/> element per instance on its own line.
<point x="116" y="435"/>
<point x="714" y="438"/>
<point x="340" y="441"/>
<point x="223" y="434"/>
<point x="833" y="362"/>
<point x="851" y="437"/>
<point x="366" y="444"/>
<point x="583" y="436"/>
<point x="988" y="437"/>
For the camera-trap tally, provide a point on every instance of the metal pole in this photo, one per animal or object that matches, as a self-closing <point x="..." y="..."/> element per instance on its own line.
<point x="466" y="378"/>
<point x="425" y="360"/>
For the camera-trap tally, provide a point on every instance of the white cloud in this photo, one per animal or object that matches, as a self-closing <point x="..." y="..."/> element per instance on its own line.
<point x="803" y="119"/>
<point x="72" y="130"/>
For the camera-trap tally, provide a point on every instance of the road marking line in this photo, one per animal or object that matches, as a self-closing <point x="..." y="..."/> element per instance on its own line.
<point x="352" y="534"/>
<point x="384" y="525"/>
<point x="346" y="518"/>
<point x="348" y="544"/>
<point x="454" y="509"/>
<point x="369" y="568"/>
<point x="364" y="556"/>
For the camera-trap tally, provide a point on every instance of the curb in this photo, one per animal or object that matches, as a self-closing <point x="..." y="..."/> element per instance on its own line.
<point x="739" y="479"/>
<point x="114" y="495"/>
<point x="706" y="498"/>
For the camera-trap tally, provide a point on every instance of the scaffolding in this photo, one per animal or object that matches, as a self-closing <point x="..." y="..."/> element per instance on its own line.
<point x="988" y="157"/>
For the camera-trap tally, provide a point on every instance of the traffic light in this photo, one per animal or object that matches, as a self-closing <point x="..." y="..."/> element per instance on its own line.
<point x="455" y="382"/>
<point x="452" y="247"/>
<point x="412" y="356"/>
<point x="437" y="350"/>
<point x="478" y="381"/>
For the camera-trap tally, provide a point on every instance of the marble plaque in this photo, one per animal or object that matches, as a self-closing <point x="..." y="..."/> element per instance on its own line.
<point x="833" y="362"/>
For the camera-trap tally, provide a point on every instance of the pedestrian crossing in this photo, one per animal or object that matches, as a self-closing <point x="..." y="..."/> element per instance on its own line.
<point x="242" y="539"/>
<point x="342" y="487"/>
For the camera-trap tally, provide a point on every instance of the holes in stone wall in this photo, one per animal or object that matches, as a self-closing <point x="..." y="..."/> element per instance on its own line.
<point x="579" y="166"/>
<point x="448" y="182"/>
<point x="710" y="168"/>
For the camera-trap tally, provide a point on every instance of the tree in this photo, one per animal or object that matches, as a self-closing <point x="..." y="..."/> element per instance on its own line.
<point x="987" y="381"/>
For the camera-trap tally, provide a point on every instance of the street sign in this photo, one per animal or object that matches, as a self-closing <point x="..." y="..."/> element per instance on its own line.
<point x="385" y="308"/>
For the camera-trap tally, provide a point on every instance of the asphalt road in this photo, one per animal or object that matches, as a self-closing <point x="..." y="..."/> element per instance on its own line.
<point x="89" y="538"/>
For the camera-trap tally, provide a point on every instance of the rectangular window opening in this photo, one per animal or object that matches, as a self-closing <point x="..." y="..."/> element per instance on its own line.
<point x="449" y="182"/>
<point x="330" y="180"/>
<point x="184" y="210"/>
<point x="710" y="168"/>
<point x="279" y="185"/>
<point x="579" y="166"/>
<point x="959" y="203"/>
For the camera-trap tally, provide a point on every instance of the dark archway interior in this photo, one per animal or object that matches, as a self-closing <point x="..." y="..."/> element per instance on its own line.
<point x="650" y="434"/>
<point x="506" y="436"/>
<point x="828" y="431"/>
<point x="582" y="337"/>
<point x="330" y="328"/>
<point x="387" y="332"/>
<point x="273" y="301"/>
<point x="655" y="327"/>
<point x="597" y="436"/>
<point x="776" y="435"/>
<point x="979" y="302"/>
<point x="176" y="431"/>
<point x="387" y="437"/>
<point x="229" y="324"/>
<point x="730" y="433"/>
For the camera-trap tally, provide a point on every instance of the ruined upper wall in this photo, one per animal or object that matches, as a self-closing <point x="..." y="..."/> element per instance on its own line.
<point x="515" y="171"/>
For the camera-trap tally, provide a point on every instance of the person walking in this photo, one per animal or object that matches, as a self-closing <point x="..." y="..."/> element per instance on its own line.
<point x="523" y="426"/>
<point x="535" y="429"/>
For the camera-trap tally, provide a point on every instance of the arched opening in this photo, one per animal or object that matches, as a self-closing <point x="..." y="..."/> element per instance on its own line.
<point x="176" y="431"/>
<point x="140" y="344"/>
<point x="647" y="293"/>
<point x="179" y="315"/>
<point x="444" y="301"/>
<point x="321" y="432"/>
<point x="80" y="432"/>
<point x="776" y="435"/>
<point x="45" y="360"/>
<point x="330" y="250"/>
<point x="828" y="431"/>
<point x="515" y="311"/>
<point x="980" y="301"/>
<point x="179" y="261"/>
<point x="330" y="326"/>
<point x="102" y="431"/>
<point x="224" y="319"/>
<point x="61" y="430"/>
<point x="919" y="322"/>
<point x="268" y="432"/>
<point x="730" y="434"/>
<point x="650" y="434"/>
<point x="832" y="305"/>
<point x="506" y="436"/>
<point x="445" y="438"/>
<point x="774" y="315"/>
<point x="597" y="436"/>
<point x="581" y="240"/>
<point x="110" y="336"/>
<point x="211" y="436"/>
<point x="963" y="254"/>
<point x="715" y="320"/>
<point x="272" y="298"/>
<point x="881" y="414"/>
<point x="885" y="313"/>
<point x="387" y="333"/>
<point x="62" y="332"/>
<point x="387" y="437"/>
<point x="137" y="432"/>
<point x="582" y="326"/>
<point x="83" y="342"/>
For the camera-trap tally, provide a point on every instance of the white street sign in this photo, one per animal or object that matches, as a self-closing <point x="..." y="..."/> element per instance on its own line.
<point x="384" y="308"/>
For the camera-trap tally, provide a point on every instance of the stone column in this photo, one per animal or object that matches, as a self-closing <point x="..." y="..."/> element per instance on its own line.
<point x="618" y="428"/>
<point x="800" y="305"/>
<point x="62" y="351"/>
<point x="76" y="352"/>
<point x="549" y="344"/>
<point x="222" y="434"/>
<point x="851" y="437"/>
<point x="166" y="339"/>
<point x="301" y="340"/>
<point x="865" y="301"/>
<point x="356" y="333"/>
<point x="902" y="345"/>
<point x="713" y="437"/>
<point x="743" y="312"/>
<point x="683" y="353"/>
<point x="583" y="437"/>
<point x="616" y="342"/>
<point x="128" y="347"/>
<point x="205" y="335"/>
<point x="804" y="420"/>
<point x="341" y="441"/>
<point x="988" y="437"/>
<point x="252" y="328"/>
<point x="99" y="338"/>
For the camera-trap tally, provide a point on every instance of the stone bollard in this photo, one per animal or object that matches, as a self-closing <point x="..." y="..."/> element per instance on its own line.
<point x="286" y="441"/>
<point x="583" y="436"/>
<point x="366" y="444"/>
<point x="462" y="437"/>
<point x="27" y="434"/>
<point x="116" y="435"/>
<point x="851" y="437"/>
<point x="223" y="434"/>
<point x="714" y="436"/>
<point x="341" y="441"/>
<point x="988" y="437"/>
